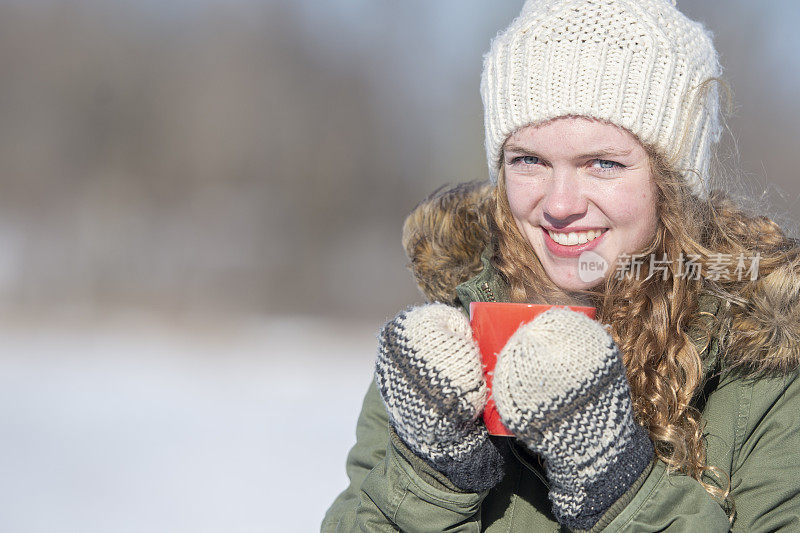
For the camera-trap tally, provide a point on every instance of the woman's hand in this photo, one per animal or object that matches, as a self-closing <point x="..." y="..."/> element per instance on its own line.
<point x="560" y="386"/>
<point x="430" y="377"/>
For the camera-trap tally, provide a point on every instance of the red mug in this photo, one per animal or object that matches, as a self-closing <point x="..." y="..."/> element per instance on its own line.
<point x="493" y="323"/>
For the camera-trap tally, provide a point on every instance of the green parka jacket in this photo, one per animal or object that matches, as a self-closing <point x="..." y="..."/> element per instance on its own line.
<point x="752" y="431"/>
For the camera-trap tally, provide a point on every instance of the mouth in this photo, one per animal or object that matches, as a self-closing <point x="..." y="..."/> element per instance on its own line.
<point x="575" y="238"/>
<point x="571" y="244"/>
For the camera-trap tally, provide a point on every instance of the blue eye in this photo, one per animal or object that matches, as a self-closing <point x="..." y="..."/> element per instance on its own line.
<point x="524" y="160"/>
<point x="604" y="164"/>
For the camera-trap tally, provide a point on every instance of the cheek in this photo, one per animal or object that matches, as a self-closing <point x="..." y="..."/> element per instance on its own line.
<point x="631" y="208"/>
<point x="642" y="215"/>
<point x="634" y="199"/>
<point x="522" y="198"/>
<point x="517" y="205"/>
<point x="637" y="208"/>
<point x="647" y="204"/>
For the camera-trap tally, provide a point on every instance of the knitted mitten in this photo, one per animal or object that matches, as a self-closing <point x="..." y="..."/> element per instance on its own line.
<point x="430" y="377"/>
<point x="560" y="386"/>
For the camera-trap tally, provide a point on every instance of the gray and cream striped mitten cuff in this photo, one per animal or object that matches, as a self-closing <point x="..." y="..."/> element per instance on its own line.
<point x="429" y="374"/>
<point x="560" y="386"/>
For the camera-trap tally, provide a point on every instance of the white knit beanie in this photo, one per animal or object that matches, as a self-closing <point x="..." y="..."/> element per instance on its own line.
<point x="638" y="64"/>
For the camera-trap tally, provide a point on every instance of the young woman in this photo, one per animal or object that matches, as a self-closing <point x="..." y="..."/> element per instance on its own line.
<point x="678" y="409"/>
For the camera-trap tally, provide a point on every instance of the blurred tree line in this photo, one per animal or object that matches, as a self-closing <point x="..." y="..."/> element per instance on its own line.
<point x="261" y="156"/>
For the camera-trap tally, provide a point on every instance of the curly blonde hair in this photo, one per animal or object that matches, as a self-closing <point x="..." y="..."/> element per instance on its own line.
<point x="650" y="315"/>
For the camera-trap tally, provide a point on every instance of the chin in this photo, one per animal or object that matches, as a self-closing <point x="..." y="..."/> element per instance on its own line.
<point x="571" y="282"/>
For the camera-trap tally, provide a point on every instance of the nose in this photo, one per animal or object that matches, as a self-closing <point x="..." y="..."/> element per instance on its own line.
<point x="566" y="199"/>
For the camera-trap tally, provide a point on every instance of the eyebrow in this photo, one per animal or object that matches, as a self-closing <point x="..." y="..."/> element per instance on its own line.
<point x="599" y="154"/>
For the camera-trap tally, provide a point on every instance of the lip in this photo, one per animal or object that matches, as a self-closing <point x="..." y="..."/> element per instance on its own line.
<point x="575" y="229"/>
<point x="561" y="250"/>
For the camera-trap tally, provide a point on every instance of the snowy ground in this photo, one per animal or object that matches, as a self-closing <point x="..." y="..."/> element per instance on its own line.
<point x="130" y="426"/>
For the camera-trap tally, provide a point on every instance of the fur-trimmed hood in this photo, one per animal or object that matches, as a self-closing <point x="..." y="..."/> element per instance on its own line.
<point x="446" y="233"/>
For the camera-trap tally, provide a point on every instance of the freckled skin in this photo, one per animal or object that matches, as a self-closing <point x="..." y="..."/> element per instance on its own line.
<point x="551" y="181"/>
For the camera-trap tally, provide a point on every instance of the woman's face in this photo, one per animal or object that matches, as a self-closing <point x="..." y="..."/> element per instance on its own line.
<point x="575" y="186"/>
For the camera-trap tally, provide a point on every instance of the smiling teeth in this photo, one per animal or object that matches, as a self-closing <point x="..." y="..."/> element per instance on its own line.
<point x="574" y="238"/>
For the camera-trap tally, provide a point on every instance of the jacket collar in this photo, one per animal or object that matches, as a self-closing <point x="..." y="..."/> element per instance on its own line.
<point x="487" y="286"/>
